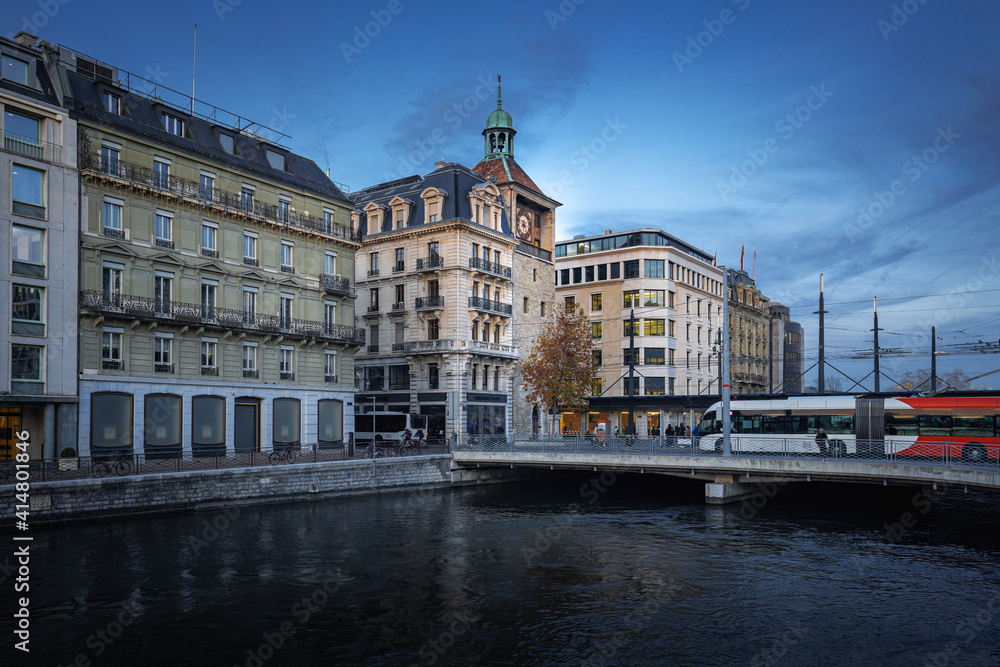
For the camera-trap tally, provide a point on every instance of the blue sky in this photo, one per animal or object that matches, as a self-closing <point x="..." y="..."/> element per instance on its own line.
<point x="859" y="139"/>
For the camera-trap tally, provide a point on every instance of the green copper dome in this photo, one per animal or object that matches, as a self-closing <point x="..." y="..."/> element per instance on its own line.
<point x="499" y="118"/>
<point x="499" y="132"/>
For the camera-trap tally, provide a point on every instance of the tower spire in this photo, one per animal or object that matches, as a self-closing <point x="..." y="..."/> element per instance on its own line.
<point x="499" y="132"/>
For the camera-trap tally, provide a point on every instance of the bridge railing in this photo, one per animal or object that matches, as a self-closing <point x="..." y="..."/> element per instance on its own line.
<point x="902" y="450"/>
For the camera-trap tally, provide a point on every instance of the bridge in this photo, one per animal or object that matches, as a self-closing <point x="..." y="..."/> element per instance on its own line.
<point x="728" y="478"/>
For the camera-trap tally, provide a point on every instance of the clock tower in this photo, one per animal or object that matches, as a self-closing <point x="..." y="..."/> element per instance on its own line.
<point x="532" y="216"/>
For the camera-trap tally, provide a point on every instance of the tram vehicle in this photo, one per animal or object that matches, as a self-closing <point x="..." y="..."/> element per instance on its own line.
<point x="959" y="425"/>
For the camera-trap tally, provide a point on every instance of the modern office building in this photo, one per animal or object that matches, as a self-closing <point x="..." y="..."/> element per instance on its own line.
<point x="675" y="292"/>
<point x="749" y="332"/>
<point x="217" y="310"/>
<point x="786" y="345"/>
<point x="38" y="253"/>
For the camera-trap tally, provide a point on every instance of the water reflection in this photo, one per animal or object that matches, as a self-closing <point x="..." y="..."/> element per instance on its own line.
<point x="526" y="574"/>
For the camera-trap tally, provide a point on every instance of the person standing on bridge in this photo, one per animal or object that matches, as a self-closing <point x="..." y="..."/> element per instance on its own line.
<point x="821" y="442"/>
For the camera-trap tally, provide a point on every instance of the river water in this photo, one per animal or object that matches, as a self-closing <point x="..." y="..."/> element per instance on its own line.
<point x="574" y="570"/>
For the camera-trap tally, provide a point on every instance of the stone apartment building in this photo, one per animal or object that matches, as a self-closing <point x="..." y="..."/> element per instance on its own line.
<point x="455" y="274"/>
<point x="676" y="292"/>
<point x="749" y="334"/>
<point x="38" y="253"/>
<point x="216" y="305"/>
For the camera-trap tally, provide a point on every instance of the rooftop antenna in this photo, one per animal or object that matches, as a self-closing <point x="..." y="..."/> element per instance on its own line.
<point x="194" y="65"/>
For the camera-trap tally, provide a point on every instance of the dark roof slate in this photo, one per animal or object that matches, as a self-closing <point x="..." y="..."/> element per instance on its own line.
<point x="144" y="119"/>
<point x="455" y="180"/>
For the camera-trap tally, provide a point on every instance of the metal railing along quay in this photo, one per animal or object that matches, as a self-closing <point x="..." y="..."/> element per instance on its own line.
<point x="899" y="451"/>
<point x="127" y="464"/>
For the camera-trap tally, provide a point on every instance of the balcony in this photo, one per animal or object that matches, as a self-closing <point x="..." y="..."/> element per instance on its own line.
<point x="251" y="373"/>
<point x="330" y="378"/>
<point x="334" y="284"/>
<point x="163" y="368"/>
<point x="429" y="302"/>
<point x="372" y="273"/>
<point x="493" y="349"/>
<point x="373" y="349"/>
<point x="30" y="147"/>
<point x="430" y="263"/>
<point x="112" y="364"/>
<point x="164" y="243"/>
<point x="488" y="267"/>
<point x="209" y="253"/>
<point x="398" y="347"/>
<point x="399" y="267"/>
<point x="230" y="203"/>
<point x="209" y="370"/>
<point x="399" y="305"/>
<point x="286" y="375"/>
<point x="487" y="306"/>
<point x="532" y="250"/>
<point x="437" y="346"/>
<point x="287" y="269"/>
<point x="124" y="306"/>
<point x="251" y="261"/>
<point x="113" y="232"/>
<point x="373" y="309"/>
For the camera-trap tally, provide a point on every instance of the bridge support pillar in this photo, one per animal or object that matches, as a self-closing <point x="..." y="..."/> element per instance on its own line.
<point x="723" y="493"/>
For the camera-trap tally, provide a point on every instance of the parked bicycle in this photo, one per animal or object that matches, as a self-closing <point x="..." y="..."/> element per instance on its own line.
<point x="120" y="465"/>
<point x="283" y="455"/>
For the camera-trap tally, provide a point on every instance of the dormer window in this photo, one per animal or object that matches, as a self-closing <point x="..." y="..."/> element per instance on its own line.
<point x="275" y="159"/>
<point x="112" y="103"/>
<point x="172" y="124"/>
<point x="228" y="143"/>
<point x="400" y="212"/>
<point x="15" y="70"/>
<point x="433" y="204"/>
<point x="374" y="212"/>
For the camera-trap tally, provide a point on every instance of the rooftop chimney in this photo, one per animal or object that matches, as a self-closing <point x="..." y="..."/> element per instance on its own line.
<point x="440" y="164"/>
<point x="607" y="231"/>
<point x="25" y="38"/>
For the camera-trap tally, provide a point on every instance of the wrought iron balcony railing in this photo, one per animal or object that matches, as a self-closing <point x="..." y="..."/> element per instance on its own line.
<point x="163" y="368"/>
<point x="432" y="262"/>
<point x="30" y="147"/>
<point x="232" y="203"/>
<point x="479" y="303"/>
<point x="487" y="266"/>
<point x="330" y="378"/>
<point x="372" y="349"/>
<point x="529" y="249"/>
<point x="424" y="302"/>
<point x="399" y="305"/>
<point x="209" y="370"/>
<point x="146" y="308"/>
<point x="334" y="284"/>
<point x="399" y="267"/>
<point x="248" y="373"/>
<point x="209" y="253"/>
<point x="398" y="347"/>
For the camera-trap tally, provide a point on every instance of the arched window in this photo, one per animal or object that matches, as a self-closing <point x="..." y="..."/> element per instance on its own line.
<point x="110" y="420"/>
<point x="286" y="421"/>
<point x="162" y="423"/>
<point x="330" y="421"/>
<point x="208" y="425"/>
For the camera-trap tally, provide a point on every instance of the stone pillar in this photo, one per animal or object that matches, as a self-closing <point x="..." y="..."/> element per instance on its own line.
<point x="49" y="443"/>
<point x="724" y="491"/>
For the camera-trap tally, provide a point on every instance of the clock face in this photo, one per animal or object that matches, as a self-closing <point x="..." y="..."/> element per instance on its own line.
<point x="524" y="223"/>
